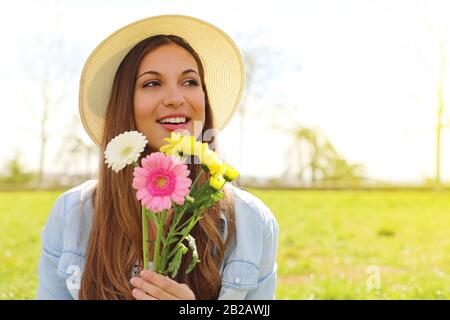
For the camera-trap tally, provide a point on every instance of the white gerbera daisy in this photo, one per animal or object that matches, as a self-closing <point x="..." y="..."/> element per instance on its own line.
<point x="124" y="149"/>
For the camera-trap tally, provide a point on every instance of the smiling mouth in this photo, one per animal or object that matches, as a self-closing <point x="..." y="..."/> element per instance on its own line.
<point x="174" y="121"/>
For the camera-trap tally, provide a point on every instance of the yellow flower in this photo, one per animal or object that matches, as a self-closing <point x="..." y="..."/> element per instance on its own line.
<point x="230" y="173"/>
<point x="216" y="182"/>
<point x="216" y="168"/>
<point x="208" y="156"/>
<point x="192" y="146"/>
<point x="173" y="144"/>
<point x="174" y="137"/>
<point x="178" y="144"/>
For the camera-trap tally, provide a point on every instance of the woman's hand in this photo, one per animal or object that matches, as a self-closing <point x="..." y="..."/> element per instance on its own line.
<point x="153" y="286"/>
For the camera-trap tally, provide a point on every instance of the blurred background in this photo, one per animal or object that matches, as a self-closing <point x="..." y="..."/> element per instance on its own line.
<point x="343" y="131"/>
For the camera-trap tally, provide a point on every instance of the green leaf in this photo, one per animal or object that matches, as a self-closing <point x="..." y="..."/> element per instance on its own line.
<point x="188" y="227"/>
<point x="174" y="265"/>
<point x="186" y="230"/>
<point x="193" y="247"/>
<point x="173" y="240"/>
<point x="217" y="196"/>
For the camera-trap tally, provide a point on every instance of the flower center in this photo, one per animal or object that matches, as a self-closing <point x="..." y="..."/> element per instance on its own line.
<point x="161" y="181"/>
<point x="126" y="151"/>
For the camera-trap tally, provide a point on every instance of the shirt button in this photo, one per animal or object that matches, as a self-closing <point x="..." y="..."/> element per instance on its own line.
<point x="237" y="280"/>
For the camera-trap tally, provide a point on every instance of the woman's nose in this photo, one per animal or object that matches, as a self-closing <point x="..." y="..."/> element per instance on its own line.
<point x="173" y="97"/>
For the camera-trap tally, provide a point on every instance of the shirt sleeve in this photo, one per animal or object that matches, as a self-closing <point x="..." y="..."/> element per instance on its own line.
<point x="51" y="285"/>
<point x="250" y="271"/>
<point x="267" y="282"/>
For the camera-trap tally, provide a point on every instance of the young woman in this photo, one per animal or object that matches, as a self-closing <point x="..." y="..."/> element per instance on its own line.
<point x="155" y="76"/>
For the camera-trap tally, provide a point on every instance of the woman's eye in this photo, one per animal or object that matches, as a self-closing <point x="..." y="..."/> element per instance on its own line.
<point x="151" y="84"/>
<point x="192" y="82"/>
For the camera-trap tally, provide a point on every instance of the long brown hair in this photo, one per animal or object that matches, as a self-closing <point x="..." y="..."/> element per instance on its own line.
<point x="115" y="242"/>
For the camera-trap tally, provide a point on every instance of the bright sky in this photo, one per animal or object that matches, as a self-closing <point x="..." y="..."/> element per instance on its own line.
<point x="357" y="69"/>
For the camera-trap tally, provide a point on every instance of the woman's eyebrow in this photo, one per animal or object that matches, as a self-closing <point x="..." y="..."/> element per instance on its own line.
<point x="158" y="74"/>
<point x="149" y="72"/>
<point x="189" y="70"/>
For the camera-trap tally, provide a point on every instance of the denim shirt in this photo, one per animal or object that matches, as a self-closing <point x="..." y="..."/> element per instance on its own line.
<point x="248" y="271"/>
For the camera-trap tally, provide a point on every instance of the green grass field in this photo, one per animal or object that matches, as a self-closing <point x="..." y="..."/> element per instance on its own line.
<point x="331" y="245"/>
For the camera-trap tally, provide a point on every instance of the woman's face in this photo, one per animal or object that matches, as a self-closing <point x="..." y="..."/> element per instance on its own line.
<point x="168" y="94"/>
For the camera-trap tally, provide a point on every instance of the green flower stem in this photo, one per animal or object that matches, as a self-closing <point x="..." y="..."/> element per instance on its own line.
<point x="192" y="224"/>
<point x="156" y="256"/>
<point x="201" y="190"/>
<point x="196" y="179"/>
<point x="178" y="214"/>
<point x="195" y="207"/>
<point x="223" y="184"/>
<point x="164" y="258"/>
<point x="183" y="225"/>
<point x="145" y="237"/>
<point x="191" y="221"/>
<point x="199" y="202"/>
<point x="163" y="250"/>
<point x="169" y="237"/>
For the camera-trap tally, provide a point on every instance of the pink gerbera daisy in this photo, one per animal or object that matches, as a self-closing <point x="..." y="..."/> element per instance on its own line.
<point x="161" y="180"/>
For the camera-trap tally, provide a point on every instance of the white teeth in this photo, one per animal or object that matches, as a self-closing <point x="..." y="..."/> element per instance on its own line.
<point x="173" y="120"/>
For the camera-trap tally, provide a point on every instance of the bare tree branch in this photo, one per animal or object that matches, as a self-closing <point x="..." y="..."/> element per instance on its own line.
<point x="51" y="67"/>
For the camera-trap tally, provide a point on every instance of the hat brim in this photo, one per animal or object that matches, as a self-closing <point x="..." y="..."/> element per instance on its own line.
<point x="222" y="62"/>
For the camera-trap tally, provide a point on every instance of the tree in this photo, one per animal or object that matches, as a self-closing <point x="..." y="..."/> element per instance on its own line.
<point x="439" y="83"/>
<point x="15" y="172"/>
<point x="74" y="151"/>
<point x="51" y="66"/>
<point x="312" y="153"/>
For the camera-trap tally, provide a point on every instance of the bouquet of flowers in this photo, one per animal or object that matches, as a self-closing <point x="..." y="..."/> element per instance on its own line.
<point x="162" y="183"/>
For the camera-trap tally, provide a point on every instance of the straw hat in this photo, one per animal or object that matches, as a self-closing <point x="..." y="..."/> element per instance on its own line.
<point x="222" y="61"/>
